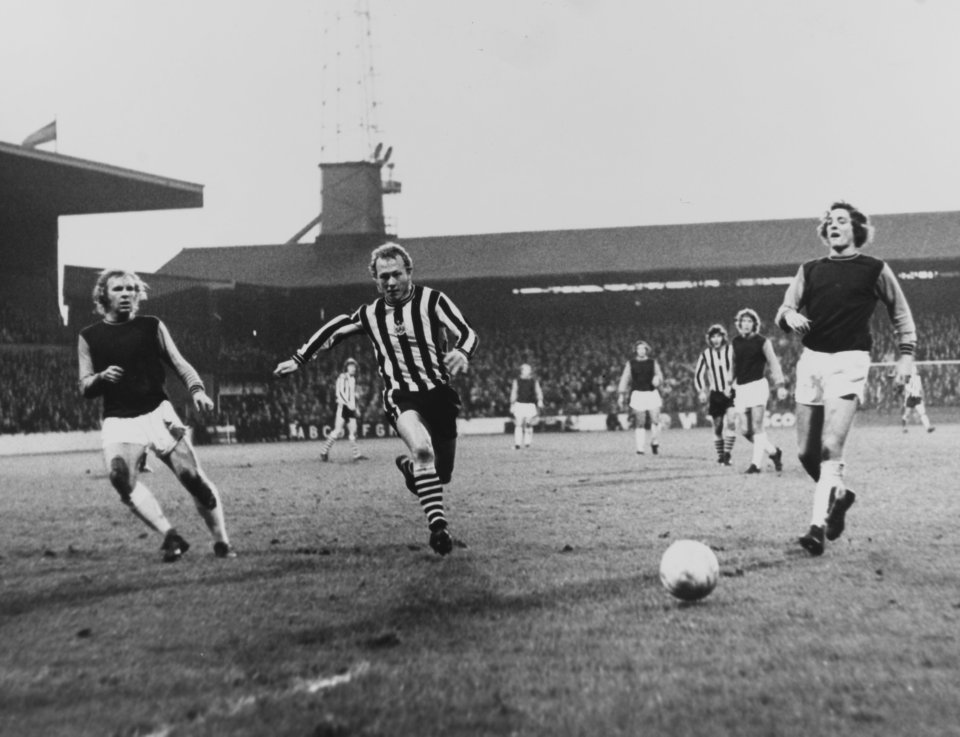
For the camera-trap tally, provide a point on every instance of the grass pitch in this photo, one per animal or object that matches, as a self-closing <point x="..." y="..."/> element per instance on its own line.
<point x="547" y="619"/>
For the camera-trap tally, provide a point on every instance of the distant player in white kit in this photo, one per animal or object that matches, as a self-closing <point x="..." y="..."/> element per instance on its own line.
<point x="640" y="394"/>
<point x="526" y="403"/>
<point x="346" y="419"/>
<point x="913" y="402"/>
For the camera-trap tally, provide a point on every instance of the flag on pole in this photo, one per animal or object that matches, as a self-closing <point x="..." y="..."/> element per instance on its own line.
<point x="44" y="135"/>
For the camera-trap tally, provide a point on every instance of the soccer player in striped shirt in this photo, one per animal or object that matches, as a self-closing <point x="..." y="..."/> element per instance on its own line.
<point x="829" y="304"/>
<point x="122" y="358"/>
<point x="408" y="326"/>
<point x="346" y="419"/>
<point x="714" y="370"/>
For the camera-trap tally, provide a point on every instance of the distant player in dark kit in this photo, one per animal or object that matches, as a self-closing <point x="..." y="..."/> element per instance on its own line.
<point x="526" y="403"/>
<point x="122" y="359"/>
<point x="829" y="304"/>
<point x="346" y="419"/>
<point x="640" y="395"/>
<point x="408" y="327"/>
<point x="752" y="355"/>
<point x="913" y="403"/>
<point x="714" y="371"/>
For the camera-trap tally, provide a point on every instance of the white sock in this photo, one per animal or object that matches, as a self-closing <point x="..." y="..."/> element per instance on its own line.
<point x="527" y="436"/>
<point x="759" y="448"/>
<point x="831" y="475"/>
<point x="641" y="437"/>
<point x="145" y="505"/>
<point x="518" y="435"/>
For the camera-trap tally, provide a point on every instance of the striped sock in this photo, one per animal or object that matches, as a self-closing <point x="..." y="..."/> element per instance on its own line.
<point x="728" y="441"/>
<point x="430" y="493"/>
<point x="718" y="444"/>
<point x="325" y="448"/>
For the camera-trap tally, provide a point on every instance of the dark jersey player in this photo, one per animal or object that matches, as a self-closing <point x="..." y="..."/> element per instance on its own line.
<point x="122" y="360"/>
<point x="829" y="304"/>
<point x="526" y="403"/>
<point x="753" y="356"/>
<point x="640" y="394"/>
<point x="408" y="328"/>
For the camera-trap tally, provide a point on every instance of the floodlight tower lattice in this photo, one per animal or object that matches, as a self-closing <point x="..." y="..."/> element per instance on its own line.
<point x="352" y="158"/>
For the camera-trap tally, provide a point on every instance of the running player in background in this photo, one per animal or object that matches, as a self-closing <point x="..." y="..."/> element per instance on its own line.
<point x="346" y="419"/>
<point x="829" y="304"/>
<point x="752" y="355"/>
<point x="913" y="402"/>
<point x="122" y="359"/>
<point x="714" y="371"/>
<point x="638" y="384"/>
<point x="407" y="326"/>
<point x="526" y="402"/>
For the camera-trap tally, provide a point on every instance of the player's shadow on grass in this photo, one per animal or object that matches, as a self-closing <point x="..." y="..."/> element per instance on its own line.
<point x="440" y="608"/>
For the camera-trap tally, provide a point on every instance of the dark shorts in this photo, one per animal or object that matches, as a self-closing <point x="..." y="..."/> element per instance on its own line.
<point x="913" y="402"/>
<point x="438" y="407"/>
<point x="718" y="404"/>
<point x="346" y="413"/>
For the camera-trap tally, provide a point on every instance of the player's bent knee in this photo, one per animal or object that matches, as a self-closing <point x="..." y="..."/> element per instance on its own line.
<point x="120" y="478"/>
<point x="199" y="489"/>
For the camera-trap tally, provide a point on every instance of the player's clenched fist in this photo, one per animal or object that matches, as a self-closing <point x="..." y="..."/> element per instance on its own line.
<point x="286" y="367"/>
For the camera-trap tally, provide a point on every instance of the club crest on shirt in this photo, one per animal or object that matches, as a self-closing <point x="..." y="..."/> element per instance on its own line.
<point x="399" y="328"/>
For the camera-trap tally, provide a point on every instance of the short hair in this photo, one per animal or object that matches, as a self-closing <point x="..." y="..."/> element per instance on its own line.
<point x="640" y="343"/>
<point x="752" y="314"/>
<point x="716" y="329"/>
<point x="862" y="229"/>
<point x="101" y="300"/>
<point x="390" y="250"/>
<point x="348" y="362"/>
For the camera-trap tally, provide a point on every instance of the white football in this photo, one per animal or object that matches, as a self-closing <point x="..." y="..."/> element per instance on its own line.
<point x="689" y="570"/>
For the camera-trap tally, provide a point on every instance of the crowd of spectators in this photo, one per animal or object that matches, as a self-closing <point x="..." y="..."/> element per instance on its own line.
<point x="23" y="326"/>
<point x="579" y="366"/>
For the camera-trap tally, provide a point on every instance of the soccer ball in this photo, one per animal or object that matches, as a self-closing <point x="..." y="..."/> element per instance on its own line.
<point x="689" y="570"/>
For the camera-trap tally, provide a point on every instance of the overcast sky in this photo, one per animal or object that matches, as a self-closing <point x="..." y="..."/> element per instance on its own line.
<point x="503" y="115"/>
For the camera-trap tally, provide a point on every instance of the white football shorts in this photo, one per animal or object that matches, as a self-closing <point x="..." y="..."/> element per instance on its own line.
<point x="525" y="411"/>
<point x="158" y="430"/>
<point x="823" y="376"/>
<point x="752" y="394"/>
<point x="645" y="401"/>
